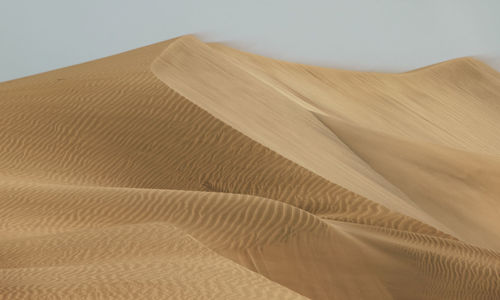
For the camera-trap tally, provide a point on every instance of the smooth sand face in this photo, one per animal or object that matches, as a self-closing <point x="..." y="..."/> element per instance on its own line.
<point x="185" y="170"/>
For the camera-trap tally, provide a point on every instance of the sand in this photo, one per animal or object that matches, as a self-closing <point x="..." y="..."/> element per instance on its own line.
<point x="187" y="170"/>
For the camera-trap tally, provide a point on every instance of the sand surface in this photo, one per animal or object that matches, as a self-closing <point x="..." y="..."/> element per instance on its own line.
<point x="187" y="170"/>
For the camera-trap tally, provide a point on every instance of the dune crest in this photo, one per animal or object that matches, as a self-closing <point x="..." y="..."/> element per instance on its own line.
<point x="186" y="170"/>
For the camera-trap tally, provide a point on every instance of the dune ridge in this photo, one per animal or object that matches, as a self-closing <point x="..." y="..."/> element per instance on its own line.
<point x="186" y="170"/>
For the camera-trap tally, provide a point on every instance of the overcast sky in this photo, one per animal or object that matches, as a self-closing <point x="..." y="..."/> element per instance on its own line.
<point x="383" y="35"/>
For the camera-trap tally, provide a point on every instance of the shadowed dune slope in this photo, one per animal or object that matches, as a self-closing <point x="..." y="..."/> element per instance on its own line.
<point x="185" y="170"/>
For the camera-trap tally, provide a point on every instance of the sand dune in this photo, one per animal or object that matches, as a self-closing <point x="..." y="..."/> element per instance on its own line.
<point x="186" y="170"/>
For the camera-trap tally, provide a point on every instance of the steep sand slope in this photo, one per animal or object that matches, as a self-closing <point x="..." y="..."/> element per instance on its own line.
<point x="114" y="185"/>
<point x="250" y="103"/>
<point x="411" y="119"/>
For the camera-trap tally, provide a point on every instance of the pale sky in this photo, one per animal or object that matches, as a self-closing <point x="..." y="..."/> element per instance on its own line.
<point x="382" y="35"/>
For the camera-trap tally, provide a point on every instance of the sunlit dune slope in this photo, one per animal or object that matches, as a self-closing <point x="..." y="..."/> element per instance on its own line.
<point x="185" y="170"/>
<point x="410" y="128"/>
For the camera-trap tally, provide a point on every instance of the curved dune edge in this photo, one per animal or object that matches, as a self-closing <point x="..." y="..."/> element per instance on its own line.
<point x="247" y="100"/>
<point x="253" y="94"/>
<point x="113" y="185"/>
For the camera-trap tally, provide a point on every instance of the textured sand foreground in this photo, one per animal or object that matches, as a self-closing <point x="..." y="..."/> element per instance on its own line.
<point x="186" y="170"/>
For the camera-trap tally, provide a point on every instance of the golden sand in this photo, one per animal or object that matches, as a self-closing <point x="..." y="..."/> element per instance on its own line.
<point x="186" y="170"/>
